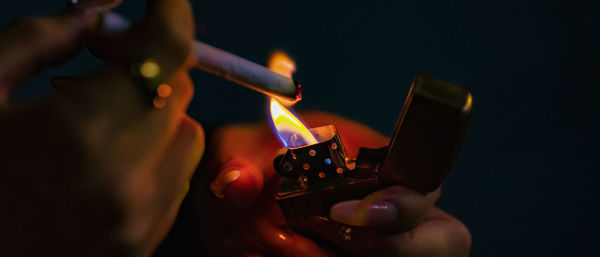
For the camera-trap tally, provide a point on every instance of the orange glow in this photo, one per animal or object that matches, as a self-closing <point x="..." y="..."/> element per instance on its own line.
<point x="282" y="64"/>
<point x="290" y="130"/>
<point x="282" y="236"/>
<point x="468" y="103"/>
<point x="159" y="102"/>
<point x="164" y="90"/>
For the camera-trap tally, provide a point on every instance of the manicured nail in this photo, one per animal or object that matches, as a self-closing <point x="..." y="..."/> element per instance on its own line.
<point x="222" y="182"/>
<point x="359" y="213"/>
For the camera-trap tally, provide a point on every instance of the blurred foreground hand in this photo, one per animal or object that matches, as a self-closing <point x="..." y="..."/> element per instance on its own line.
<point x="95" y="170"/>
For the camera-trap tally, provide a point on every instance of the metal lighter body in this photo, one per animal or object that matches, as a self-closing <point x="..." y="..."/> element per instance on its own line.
<point x="426" y="141"/>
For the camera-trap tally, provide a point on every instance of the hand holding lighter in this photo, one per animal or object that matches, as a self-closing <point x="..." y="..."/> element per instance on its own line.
<point x="424" y="146"/>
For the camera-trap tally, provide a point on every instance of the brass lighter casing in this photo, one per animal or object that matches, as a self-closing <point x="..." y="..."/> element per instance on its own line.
<point x="425" y="144"/>
<point x="428" y="135"/>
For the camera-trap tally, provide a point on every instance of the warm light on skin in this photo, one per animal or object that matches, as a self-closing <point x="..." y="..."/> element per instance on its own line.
<point x="164" y="90"/>
<point x="282" y="236"/>
<point x="159" y="102"/>
<point x="290" y="130"/>
<point x="468" y="103"/>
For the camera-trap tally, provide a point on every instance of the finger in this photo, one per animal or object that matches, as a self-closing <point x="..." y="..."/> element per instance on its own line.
<point x="180" y="81"/>
<point x="237" y="147"/>
<point x="115" y="99"/>
<point x="165" y="34"/>
<point x="167" y="181"/>
<point x="32" y="44"/>
<point x="396" y="208"/>
<point x="356" y="241"/>
<point x="180" y="159"/>
<point x="162" y="40"/>
<point x="174" y="173"/>
<point x="239" y="183"/>
<point x="109" y="106"/>
<point x="439" y="235"/>
<point x="243" y="158"/>
<point x="163" y="225"/>
<point x="282" y="241"/>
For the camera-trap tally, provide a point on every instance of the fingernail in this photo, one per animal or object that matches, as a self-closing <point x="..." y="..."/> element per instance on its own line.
<point x="93" y="7"/>
<point x="359" y="213"/>
<point x="222" y="182"/>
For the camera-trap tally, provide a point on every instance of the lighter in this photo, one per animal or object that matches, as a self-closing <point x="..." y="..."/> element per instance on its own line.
<point x="427" y="138"/>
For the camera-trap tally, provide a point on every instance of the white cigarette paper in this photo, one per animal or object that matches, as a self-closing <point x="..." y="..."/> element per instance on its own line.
<point x="226" y="65"/>
<point x="243" y="72"/>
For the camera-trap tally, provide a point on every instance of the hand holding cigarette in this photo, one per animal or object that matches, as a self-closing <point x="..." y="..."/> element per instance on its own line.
<point x="212" y="60"/>
<point x="95" y="170"/>
<point x="240" y="173"/>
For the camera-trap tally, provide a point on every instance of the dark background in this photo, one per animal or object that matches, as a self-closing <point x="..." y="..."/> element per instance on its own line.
<point x="525" y="181"/>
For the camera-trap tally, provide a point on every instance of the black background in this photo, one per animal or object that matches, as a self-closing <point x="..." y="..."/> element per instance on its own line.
<point x="525" y="181"/>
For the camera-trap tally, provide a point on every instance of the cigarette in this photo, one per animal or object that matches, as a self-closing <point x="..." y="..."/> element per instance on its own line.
<point x="244" y="72"/>
<point x="226" y="65"/>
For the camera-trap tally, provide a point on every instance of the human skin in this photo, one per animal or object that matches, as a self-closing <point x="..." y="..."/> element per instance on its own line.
<point x="95" y="170"/>
<point x="244" y="219"/>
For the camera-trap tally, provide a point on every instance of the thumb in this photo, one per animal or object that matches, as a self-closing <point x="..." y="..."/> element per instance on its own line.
<point x="395" y="208"/>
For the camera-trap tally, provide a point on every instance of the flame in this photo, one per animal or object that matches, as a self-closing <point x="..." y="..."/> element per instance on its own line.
<point x="290" y="130"/>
